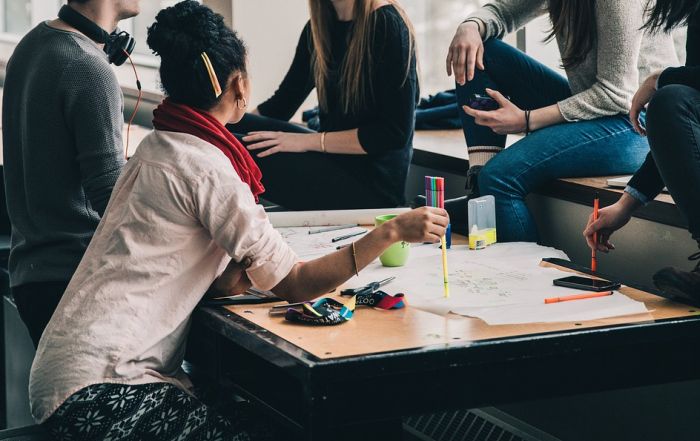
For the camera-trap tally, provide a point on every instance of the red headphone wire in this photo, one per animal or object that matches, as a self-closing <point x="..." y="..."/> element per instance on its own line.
<point x="136" y="107"/>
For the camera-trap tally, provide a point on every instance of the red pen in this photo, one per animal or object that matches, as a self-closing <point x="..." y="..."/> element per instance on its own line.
<point x="594" y="260"/>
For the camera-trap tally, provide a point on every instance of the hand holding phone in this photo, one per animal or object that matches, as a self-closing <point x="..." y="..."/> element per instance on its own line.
<point x="482" y="102"/>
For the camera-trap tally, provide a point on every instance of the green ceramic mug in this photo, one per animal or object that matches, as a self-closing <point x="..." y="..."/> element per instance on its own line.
<point x="396" y="254"/>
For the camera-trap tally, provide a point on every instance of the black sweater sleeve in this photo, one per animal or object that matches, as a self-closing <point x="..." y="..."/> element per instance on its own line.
<point x="647" y="180"/>
<point x="692" y="45"/>
<point x="687" y="76"/>
<point x="297" y="84"/>
<point x="690" y="74"/>
<point x="395" y="94"/>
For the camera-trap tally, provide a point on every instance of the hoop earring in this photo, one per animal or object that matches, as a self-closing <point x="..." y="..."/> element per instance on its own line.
<point x="238" y="103"/>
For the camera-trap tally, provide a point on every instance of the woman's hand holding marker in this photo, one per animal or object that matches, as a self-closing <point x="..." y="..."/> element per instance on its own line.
<point x="319" y="276"/>
<point x="425" y="224"/>
<point x="610" y="219"/>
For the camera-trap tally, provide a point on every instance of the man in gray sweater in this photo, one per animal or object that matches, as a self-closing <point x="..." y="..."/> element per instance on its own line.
<point x="63" y="151"/>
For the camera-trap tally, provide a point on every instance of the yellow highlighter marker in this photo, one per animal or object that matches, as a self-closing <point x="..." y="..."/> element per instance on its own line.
<point x="444" y="267"/>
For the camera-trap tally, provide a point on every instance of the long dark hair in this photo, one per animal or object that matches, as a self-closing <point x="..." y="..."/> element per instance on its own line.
<point x="356" y="69"/>
<point x="574" y="21"/>
<point x="667" y="14"/>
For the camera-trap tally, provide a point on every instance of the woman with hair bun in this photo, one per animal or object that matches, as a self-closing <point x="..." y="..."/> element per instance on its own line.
<point x="182" y="220"/>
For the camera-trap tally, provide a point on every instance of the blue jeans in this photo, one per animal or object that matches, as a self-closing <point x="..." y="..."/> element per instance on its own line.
<point x="599" y="147"/>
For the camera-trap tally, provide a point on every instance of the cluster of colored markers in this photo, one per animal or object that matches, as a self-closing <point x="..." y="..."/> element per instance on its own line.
<point x="435" y="195"/>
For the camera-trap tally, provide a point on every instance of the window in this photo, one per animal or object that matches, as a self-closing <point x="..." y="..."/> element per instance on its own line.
<point x="18" y="16"/>
<point x="138" y="27"/>
<point x="435" y="23"/>
<point x="146" y="62"/>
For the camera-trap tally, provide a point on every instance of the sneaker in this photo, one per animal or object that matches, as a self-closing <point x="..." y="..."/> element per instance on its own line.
<point x="681" y="284"/>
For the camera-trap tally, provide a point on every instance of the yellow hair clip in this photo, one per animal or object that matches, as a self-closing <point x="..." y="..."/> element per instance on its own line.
<point x="212" y="75"/>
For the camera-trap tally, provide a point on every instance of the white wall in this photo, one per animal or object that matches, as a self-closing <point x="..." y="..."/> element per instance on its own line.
<point x="547" y="53"/>
<point x="435" y="22"/>
<point x="271" y="29"/>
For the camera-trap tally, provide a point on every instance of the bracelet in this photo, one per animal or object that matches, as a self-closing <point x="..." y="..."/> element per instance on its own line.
<point x="527" y="122"/>
<point x="474" y="20"/>
<point x="354" y="258"/>
<point x="323" y="142"/>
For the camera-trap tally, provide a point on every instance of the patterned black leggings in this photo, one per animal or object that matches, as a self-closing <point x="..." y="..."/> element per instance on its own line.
<point x="158" y="411"/>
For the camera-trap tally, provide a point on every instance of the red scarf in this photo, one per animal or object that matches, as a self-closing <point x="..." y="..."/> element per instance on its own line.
<point x="173" y="117"/>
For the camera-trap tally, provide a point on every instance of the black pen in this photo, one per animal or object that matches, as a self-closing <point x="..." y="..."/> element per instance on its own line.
<point x="347" y="236"/>
<point x="335" y="228"/>
<point x="369" y="288"/>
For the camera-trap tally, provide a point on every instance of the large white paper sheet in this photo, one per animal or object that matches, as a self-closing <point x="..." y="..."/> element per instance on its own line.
<point x="501" y="284"/>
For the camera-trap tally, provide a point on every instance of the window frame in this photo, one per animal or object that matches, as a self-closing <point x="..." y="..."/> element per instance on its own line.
<point x="147" y="65"/>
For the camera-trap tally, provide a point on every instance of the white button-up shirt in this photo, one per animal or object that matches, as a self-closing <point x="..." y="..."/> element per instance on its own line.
<point x="177" y="215"/>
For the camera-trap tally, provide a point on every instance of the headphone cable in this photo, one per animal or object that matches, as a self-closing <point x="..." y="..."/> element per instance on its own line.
<point x="136" y="107"/>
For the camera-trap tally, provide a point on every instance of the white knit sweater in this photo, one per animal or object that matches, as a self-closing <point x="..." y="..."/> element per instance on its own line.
<point x="605" y="82"/>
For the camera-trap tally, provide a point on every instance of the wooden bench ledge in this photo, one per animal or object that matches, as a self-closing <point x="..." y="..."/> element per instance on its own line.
<point x="445" y="150"/>
<point x="583" y="190"/>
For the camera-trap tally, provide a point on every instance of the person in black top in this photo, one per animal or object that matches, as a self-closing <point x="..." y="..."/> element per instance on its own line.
<point x="672" y="100"/>
<point x="359" y="56"/>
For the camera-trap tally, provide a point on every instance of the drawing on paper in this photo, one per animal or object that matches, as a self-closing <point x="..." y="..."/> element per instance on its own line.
<point x="311" y="246"/>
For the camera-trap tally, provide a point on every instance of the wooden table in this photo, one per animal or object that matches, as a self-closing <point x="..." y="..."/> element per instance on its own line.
<point x="356" y="380"/>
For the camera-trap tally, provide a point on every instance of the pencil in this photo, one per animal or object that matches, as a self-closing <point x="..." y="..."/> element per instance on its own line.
<point x="326" y="229"/>
<point x="444" y="268"/>
<point x="594" y="260"/>
<point x="439" y="187"/>
<point x="587" y="295"/>
<point x="347" y="236"/>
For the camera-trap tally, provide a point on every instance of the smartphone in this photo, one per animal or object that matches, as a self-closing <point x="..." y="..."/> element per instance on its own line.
<point x="587" y="284"/>
<point x="482" y="102"/>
